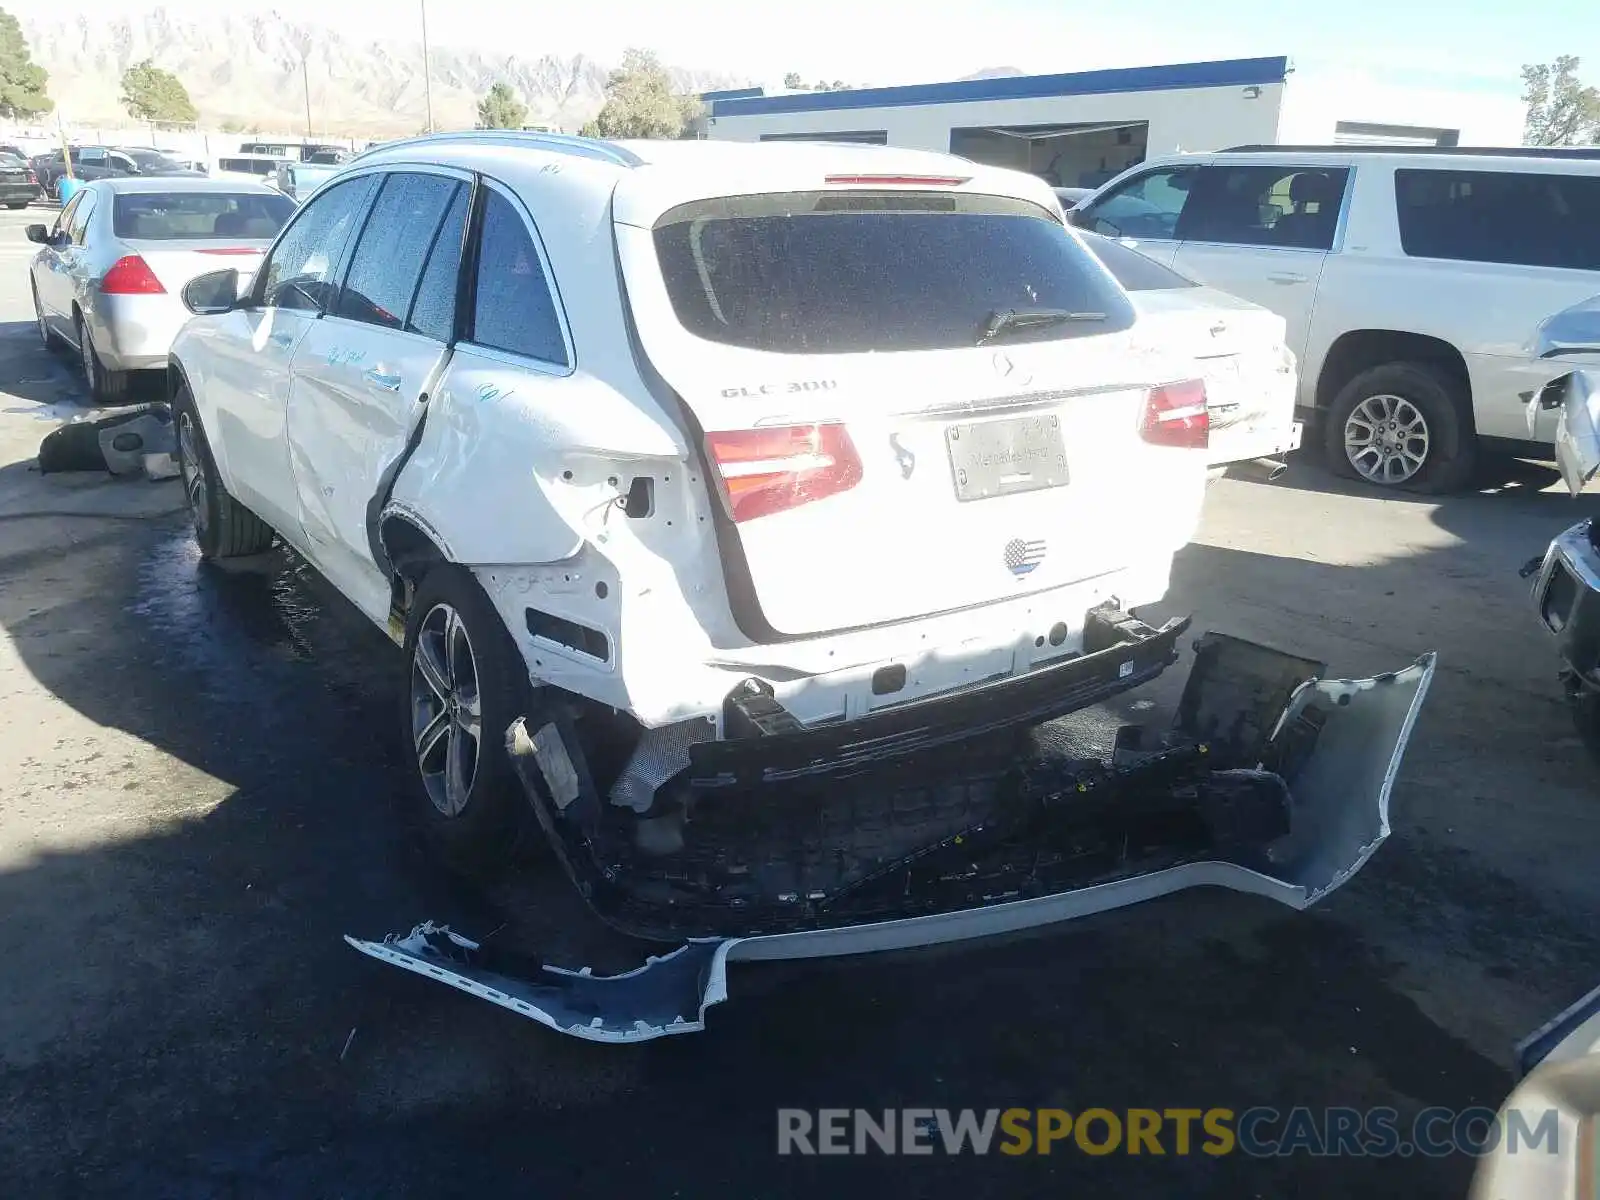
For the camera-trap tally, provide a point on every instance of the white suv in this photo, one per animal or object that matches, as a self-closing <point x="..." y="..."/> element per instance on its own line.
<point x="1411" y="280"/>
<point x="697" y="471"/>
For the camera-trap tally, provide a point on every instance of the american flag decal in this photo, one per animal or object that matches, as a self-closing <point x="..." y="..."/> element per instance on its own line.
<point x="1022" y="557"/>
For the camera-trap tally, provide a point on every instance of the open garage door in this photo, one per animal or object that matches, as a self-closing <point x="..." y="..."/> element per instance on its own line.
<point x="1083" y="155"/>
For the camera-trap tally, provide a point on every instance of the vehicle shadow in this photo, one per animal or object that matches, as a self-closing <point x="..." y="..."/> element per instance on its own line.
<point x="183" y="844"/>
<point x="1496" y="474"/>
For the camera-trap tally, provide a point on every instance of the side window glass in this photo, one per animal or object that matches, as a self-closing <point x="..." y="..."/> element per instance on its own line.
<point x="433" y="312"/>
<point x="90" y="156"/>
<point x="79" y="225"/>
<point x="1293" y="207"/>
<point x="300" y="272"/>
<point x="388" y="260"/>
<point x="512" y="306"/>
<point x="1533" y="219"/>
<point x="1147" y="207"/>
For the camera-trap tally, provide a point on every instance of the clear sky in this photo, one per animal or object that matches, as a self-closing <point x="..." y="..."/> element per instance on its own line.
<point x="900" y="41"/>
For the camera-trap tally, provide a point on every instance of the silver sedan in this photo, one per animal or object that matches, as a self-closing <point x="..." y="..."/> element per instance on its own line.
<point x="109" y="277"/>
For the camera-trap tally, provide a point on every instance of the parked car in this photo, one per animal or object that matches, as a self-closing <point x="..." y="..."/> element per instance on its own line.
<point x="19" y="186"/>
<point x="703" y="480"/>
<point x="104" y="162"/>
<point x="297" y="180"/>
<point x="1380" y="258"/>
<point x="108" y="276"/>
<point x="1541" y="1143"/>
<point x="1238" y="349"/>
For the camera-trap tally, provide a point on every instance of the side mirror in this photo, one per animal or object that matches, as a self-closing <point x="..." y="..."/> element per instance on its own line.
<point x="38" y="233"/>
<point x="212" y="293"/>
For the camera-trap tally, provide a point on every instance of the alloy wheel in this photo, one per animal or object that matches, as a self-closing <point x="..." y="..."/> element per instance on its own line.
<point x="446" y="711"/>
<point x="1386" y="439"/>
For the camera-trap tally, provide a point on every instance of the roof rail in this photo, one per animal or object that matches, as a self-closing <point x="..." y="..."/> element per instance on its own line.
<point x="1576" y="152"/>
<point x="558" y="143"/>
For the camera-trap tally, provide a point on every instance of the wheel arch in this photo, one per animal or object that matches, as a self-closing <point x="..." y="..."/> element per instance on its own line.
<point x="1358" y="350"/>
<point x="405" y="548"/>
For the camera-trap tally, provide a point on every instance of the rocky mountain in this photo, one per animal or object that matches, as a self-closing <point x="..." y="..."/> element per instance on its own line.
<point x="251" y="70"/>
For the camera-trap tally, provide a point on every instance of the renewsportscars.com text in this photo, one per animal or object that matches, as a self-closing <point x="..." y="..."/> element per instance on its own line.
<point x="1259" y="1132"/>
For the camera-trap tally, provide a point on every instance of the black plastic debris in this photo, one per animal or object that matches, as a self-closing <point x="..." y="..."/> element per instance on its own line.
<point x="126" y="442"/>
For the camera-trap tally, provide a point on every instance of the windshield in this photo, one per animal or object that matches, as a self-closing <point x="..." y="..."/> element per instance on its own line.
<point x="857" y="271"/>
<point x="158" y="216"/>
<point x="1133" y="270"/>
<point x="152" y="160"/>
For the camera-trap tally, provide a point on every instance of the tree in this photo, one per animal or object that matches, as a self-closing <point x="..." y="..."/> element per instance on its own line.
<point x="500" y="109"/>
<point x="22" y="81"/>
<point x="1561" y="110"/>
<point x="640" y="102"/>
<point x="154" y="95"/>
<point x="792" y="82"/>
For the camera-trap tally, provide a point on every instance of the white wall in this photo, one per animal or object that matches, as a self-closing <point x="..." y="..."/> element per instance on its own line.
<point x="1188" y="119"/>
<point x="1317" y="100"/>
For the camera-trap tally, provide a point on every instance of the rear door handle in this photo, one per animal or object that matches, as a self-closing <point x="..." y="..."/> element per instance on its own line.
<point x="1286" y="277"/>
<point x="389" y="383"/>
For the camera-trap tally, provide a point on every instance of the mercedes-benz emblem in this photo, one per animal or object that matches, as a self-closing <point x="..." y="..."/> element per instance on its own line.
<point x="1009" y="371"/>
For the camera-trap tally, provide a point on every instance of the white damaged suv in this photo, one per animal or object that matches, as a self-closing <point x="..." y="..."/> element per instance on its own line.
<point x="699" y="478"/>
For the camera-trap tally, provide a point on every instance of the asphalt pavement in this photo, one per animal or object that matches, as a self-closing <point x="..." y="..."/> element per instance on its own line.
<point x="198" y="777"/>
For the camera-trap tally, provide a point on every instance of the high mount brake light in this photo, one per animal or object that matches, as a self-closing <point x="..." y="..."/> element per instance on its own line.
<point x="899" y="180"/>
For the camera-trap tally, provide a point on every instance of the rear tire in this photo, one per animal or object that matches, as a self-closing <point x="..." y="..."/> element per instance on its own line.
<point x="16" y="204"/>
<point x="105" y="387"/>
<point x="465" y="683"/>
<point x="1392" y="415"/>
<point x="223" y="528"/>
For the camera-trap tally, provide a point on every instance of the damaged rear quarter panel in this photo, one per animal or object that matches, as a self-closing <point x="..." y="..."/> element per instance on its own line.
<point x="521" y="475"/>
<point x="514" y="461"/>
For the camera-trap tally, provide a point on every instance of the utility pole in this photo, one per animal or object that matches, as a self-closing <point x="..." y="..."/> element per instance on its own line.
<point x="305" y="76"/>
<point x="427" y="83"/>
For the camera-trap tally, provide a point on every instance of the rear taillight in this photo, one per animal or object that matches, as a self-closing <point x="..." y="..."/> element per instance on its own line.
<point x="1175" y="415"/>
<point x="131" y="276"/>
<point x="33" y="179"/>
<point x="769" y="470"/>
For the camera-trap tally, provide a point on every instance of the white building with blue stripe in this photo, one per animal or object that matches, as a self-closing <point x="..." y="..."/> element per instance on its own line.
<point x="1080" y="129"/>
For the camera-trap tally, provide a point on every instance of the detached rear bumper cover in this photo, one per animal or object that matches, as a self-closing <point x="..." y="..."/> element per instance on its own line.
<point x="1337" y="814"/>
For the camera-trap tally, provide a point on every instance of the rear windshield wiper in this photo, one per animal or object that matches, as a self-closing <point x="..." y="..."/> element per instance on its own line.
<point x="1003" y="320"/>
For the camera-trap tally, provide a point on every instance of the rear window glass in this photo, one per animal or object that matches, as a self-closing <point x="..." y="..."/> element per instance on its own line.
<point x="857" y="271"/>
<point x="1133" y="270"/>
<point x="1528" y="219"/>
<point x="158" y="216"/>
